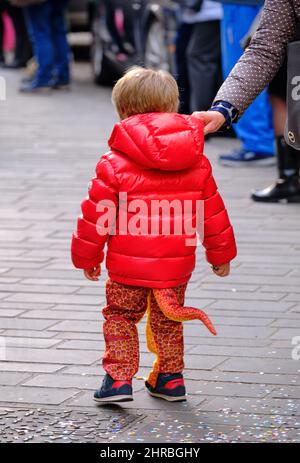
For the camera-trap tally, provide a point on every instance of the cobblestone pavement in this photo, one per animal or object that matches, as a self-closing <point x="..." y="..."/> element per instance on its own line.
<point x="243" y="385"/>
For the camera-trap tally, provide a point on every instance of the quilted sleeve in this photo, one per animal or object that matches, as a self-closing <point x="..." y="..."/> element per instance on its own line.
<point x="262" y="59"/>
<point x="98" y="216"/>
<point x="218" y="235"/>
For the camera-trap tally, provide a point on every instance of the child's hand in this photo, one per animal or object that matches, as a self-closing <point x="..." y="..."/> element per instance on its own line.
<point x="93" y="273"/>
<point x="221" y="270"/>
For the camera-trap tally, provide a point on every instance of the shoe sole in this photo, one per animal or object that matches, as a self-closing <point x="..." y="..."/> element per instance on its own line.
<point x="296" y="199"/>
<point x="168" y="398"/>
<point x="42" y="91"/>
<point x="263" y="162"/>
<point x="117" y="398"/>
<point x="65" y="88"/>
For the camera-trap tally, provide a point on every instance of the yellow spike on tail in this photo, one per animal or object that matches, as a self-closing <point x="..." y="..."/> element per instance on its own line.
<point x="169" y="305"/>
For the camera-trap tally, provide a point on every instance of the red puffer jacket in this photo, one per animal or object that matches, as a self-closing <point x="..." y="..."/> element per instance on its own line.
<point x="154" y="156"/>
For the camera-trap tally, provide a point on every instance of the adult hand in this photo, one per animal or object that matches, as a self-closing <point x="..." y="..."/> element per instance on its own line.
<point x="213" y="120"/>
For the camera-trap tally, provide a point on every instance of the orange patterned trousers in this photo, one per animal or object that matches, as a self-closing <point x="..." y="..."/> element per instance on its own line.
<point x="126" y="306"/>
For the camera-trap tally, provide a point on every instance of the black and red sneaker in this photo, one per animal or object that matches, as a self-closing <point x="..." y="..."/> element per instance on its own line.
<point x="113" y="390"/>
<point x="169" y="387"/>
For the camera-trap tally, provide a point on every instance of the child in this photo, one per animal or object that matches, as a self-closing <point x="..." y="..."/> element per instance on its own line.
<point x="155" y="155"/>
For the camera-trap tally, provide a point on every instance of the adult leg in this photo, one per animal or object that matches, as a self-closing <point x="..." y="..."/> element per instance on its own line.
<point x="165" y="339"/>
<point x="38" y="22"/>
<point x="60" y="42"/>
<point x="287" y="187"/>
<point x="182" y="40"/>
<point x="2" y="8"/>
<point x="204" y="64"/>
<point x="23" y="50"/>
<point x="255" y="129"/>
<point x="125" y="307"/>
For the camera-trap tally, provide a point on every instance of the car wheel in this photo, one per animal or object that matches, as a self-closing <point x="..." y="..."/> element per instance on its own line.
<point x="100" y="65"/>
<point x="156" y="51"/>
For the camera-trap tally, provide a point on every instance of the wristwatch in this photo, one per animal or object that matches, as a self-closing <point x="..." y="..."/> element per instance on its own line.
<point x="229" y="111"/>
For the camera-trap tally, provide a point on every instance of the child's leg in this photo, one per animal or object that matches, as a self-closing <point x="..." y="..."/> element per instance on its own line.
<point x="125" y="307"/>
<point x="165" y="338"/>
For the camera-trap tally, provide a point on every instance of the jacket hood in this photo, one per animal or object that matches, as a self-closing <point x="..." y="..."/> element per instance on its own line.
<point x="165" y="141"/>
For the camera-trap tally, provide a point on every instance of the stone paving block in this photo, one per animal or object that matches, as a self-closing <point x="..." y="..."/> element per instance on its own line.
<point x="242" y="377"/>
<point x="236" y="296"/>
<point x="261" y="306"/>
<point x="30" y="367"/>
<point x="265" y="406"/>
<point x="98" y="345"/>
<point x="12" y="379"/>
<point x="231" y="331"/>
<point x="202" y="363"/>
<point x="35" y="395"/>
<point x="23" y="306"/>
<point x="54" y="299"/>
<point x="229" y="389"/>
<point x="226" y="286"/>
<point x="29" y="334"/>
<point x="23" y="324"/>
<point x="265" y="366"/>
<point x="63" y="356"/>
<point x="44" y="289"/>
<point x="159" y="431"/>
<point x="87" y="326"/>
<point x="287" y="323"/>
<point x="10" y="312"/>
<point x="77" y="335"/>
<point x="237" y="321"/>
<point x="286" y="393"/>
<point x="230" y="351"/>
<point x="65" y="281"/>
<point x="29" y="343"/>
<point x="286" y="333"/>
<point x="63" y="381"/>
<point x="60" y="315"/>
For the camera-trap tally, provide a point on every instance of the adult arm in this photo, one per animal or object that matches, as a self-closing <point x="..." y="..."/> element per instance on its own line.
<point x="264" y="56"/>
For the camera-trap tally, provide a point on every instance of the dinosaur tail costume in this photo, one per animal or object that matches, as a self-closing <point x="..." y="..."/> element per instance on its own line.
<point x="169" y="305"/>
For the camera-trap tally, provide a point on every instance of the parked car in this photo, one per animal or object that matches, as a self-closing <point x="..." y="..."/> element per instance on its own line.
<point x="128" y="32"/>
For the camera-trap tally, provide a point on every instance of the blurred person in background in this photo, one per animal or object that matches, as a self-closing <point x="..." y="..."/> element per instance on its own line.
<point x="22" y="47"/>
<point x="198" y="54"/>
<point x="255" y="130"/>
<point x="48" y="33"/>
<point x="1" y="33"/>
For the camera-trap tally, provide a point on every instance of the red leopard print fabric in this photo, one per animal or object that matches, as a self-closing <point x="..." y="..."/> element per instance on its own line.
<point x="126" y="306"/>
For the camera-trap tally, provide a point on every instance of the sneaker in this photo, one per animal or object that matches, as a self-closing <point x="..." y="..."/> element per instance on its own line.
<point x="114" y="391"/>
<point x="242" y="157"/>
<point x="33" y="86"/>
<point x="169" y="387"/>
<point x="60" y="84"/>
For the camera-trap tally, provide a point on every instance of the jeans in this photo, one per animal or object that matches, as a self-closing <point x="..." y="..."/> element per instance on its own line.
<point x="255" y="129"/>
<point x="48" y="33"/>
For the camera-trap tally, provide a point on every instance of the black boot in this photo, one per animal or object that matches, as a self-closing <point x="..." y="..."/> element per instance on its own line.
<point x="287" y="187"/>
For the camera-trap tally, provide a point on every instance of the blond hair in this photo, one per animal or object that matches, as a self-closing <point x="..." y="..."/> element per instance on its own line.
<point x="143" y="90"/>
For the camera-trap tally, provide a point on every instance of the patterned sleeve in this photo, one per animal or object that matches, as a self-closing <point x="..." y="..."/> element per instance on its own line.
<point x="264" y="56"/>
